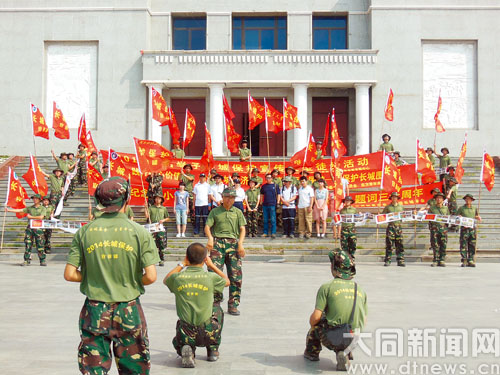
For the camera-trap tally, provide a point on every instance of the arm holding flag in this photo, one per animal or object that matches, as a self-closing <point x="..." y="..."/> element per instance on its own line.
<point x="21" y="210"/>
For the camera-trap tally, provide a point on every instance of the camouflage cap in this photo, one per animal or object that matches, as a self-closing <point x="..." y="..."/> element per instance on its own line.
<point x="429" y="149"/>
<point x="439" y="195"/>
<point x="187" y="166"/>
<point x="213" y="170"/>
<point x="343" y="264"/>
<point x="395" y="194"/>
<point x="290" y="167"/>
<point x="435" y="190"/>
<point x="57" y="169"/>
<point x="255" y="170"/>
<point x="36" y="196"/>
<point x="159" y="196"/>
<point x="46" y="198"/>
<point x="111" y="194"/>
<point x="469" y="196"/>
<point x="348" y="198"/>
<point x="445" y="148"/>
<point x="228" y="192"/>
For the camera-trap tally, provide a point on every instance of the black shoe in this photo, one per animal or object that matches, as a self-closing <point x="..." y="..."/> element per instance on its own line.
<point x="233" y="311"/>
<point x="471" y="264"/>
<point x="43" y="263"/>
<point x="212" y="355"/>
<point x="161" y="264"/>
<point x="387" y="263"/>
<point x="309" y="356"/>
<point x="401" y="263"/>
<point x="441" y="264"/>
<point x="187" y="357"/>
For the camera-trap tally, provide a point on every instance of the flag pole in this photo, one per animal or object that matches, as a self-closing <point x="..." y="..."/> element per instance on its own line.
<point x="415" y="197"/>
<point x="33" y="131"/>
<point x="480" y="184"/>
<point x="284" y="135"/>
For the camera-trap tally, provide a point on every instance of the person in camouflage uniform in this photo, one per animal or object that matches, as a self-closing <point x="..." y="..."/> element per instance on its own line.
<point x="155" y="181"/>
<point x="32" y="235"/>
<point x="386" y="146"/>
<point x="450" y="192"/>
<point x="348" y="238"/>
<point x="157" y="213"/>
<point x="439" y="231"/>
<point x="81" y="174"/>
<point x="56" y="183"/>
<point x="335" y="307"/>
<point x="112" y="317"/>
<point x="394" y="233"/>
<point x="47" y="233"/>
<point x="468" y="236"/>
<point x="252" y="200"/>
<point x="200" y="319"/>
<point x="431" y="202"/>
<point x="227" y="224"/>
<point x="289" y="171"/>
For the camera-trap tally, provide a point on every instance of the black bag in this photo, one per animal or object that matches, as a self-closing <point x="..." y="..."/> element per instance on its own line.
<point x="342" y="335"/>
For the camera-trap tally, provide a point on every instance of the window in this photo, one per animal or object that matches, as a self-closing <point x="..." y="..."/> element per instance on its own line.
<point x="259" y="32"/>
<point x="329" y="32"/>
<point x="190" y="33"/>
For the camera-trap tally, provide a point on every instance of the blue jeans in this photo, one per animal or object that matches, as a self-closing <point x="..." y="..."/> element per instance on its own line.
<point x="269" y="214"/>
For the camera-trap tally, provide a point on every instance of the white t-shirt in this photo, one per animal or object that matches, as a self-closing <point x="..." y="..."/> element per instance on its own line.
<point x="217" y="192"/>
<point x="240" y="195"/>
<point x="202" y="191"/>
<point x="305" y="196"/>
<point x="288" y="194"/>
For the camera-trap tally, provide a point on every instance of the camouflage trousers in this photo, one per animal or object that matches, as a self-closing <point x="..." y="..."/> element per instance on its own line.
<point x="394" y="239"/>
<point x="122" y="324"/>
<point x="55" y="198"/>
<point x="206" y="335"/>
<point x="225" y="252"/>
<point x="468" y="243"/>
<point x="81" y="174"/>
<point x="316" y="337"/>
<point x="279" y="216"/>
<point x="252" y="221"/>
<point x="33" y="237"/>
<point x="432" y="237"/>
<point x="348" y="240"/>
<point x="161" y="243"/>
<point x="452" y="207"/>
<point x="71" y="190"/>
<point x="47" y="235"/>
<point x="440" y="232"/>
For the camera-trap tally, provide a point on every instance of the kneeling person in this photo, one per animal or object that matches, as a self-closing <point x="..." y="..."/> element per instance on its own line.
<point x="338" y="302"/>
<point x="200" y="320"/>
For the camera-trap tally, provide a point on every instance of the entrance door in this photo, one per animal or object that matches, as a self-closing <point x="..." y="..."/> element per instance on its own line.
<point x="321" y="107"/>
<point x="197" y="109"/>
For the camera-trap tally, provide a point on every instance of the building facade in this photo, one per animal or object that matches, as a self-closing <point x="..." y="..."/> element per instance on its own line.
<point x="101" y="57"/>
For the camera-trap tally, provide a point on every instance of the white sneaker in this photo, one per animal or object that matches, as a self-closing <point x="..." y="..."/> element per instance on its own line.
<point x="183" y="235"/>
<point x="318" y="235"/>
<point x="178" y="235"/>
<point x="322" y="235"/>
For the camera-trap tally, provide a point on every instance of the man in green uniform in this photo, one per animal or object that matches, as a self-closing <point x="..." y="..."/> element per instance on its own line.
<point x="112" y="314"/>
<point x="245" y="152"/>
<point x="431" y="202"/>
<point x="386" y="146"/>
<point x="188" y="178"/>
<point x="157" y="213"/>
<point x="444" y="160"/>
<point x="430" y="151"/>
<point x="397" y="159"/>
<point x="200" y="320"/>
<point x="252" y="204"/>
<point x="254" y="175"/>
<point x="439" y="231"/>
<point x="394" y="233"/>
<point x="47" y="233"/>
<point x="317" y="176"/>
<point x="177" y="152"/>
<point x="94" y="162"/>
<point x="450" y="192"/>
<point x="348" y="238"/>
<point x="81" y="174"/>
<point x="211" y="178"/>
<point x="226" y="245"/>
<point x="56" y="183"/>
<point x="339" y="301"/>
<point x="468" y="236"/>
<point x="32" y="235"/>
<point x="62" y="161"/>
<point x="319" y="151"/>
<point x="71" y="168"/>
<point x="289" y="171"/>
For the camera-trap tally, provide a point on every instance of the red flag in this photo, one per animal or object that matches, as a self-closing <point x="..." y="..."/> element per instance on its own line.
<point x="159" y="109"/>
<point x="232" y="138"/>
<point x="305" y="157"/>
<point x="290" y="119"/>
<point x="389" y="109"/>
<point x="274" y="119"/>
<point x="207" y="159"/>
<point x="82" y="131"/>
<point x="325" y="137"/>
<point x="173" y="127"/>
<point x="59" y="124"/>
<point x="189" y="129"/>
<point x="256" y="112"/>
<point x="151" y="156"/>
<point x="459" y="171"/>
<point x="424" y="166"/>
<point x="35" y="178"/>
<point x="89" y="143"/>
<point x="40" y="128"/>
<point x="338" y="147"/>
<point x="338" y="191"/>
<point x="227" y="109"/>
<point x="117" y="167"/>
<point x="94" y="178"/>
<point x="391" y="179"/>
<point x="439" y="126"/>
<point x="488" y="171"/>
<point x="15" y="193"/>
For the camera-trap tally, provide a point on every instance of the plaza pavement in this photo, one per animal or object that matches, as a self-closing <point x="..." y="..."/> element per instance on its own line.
<point x="39" y="316"/>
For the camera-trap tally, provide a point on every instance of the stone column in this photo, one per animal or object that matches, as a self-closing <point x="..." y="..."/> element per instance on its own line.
<point x="362" y="118"/>
<point x="154" y="129"/>
<point x="216" y="125"/>
<point x="300" y="101"/>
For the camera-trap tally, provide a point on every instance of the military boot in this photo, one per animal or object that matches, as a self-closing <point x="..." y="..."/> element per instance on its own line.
<point x="212" y="355"/>
<point x="343" y="363"/>
<point x="387" y="262"/>
<point x="187" y="357"/>
<point x="441" y="263"/>
<point x="464" y="263"/>
<point x="401" y="263"/>
<point x="25" y="263"/>
<point x="471" y="263"/>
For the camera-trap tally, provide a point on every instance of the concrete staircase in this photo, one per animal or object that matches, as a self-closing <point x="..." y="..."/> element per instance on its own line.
<point x="371" y="240"/>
